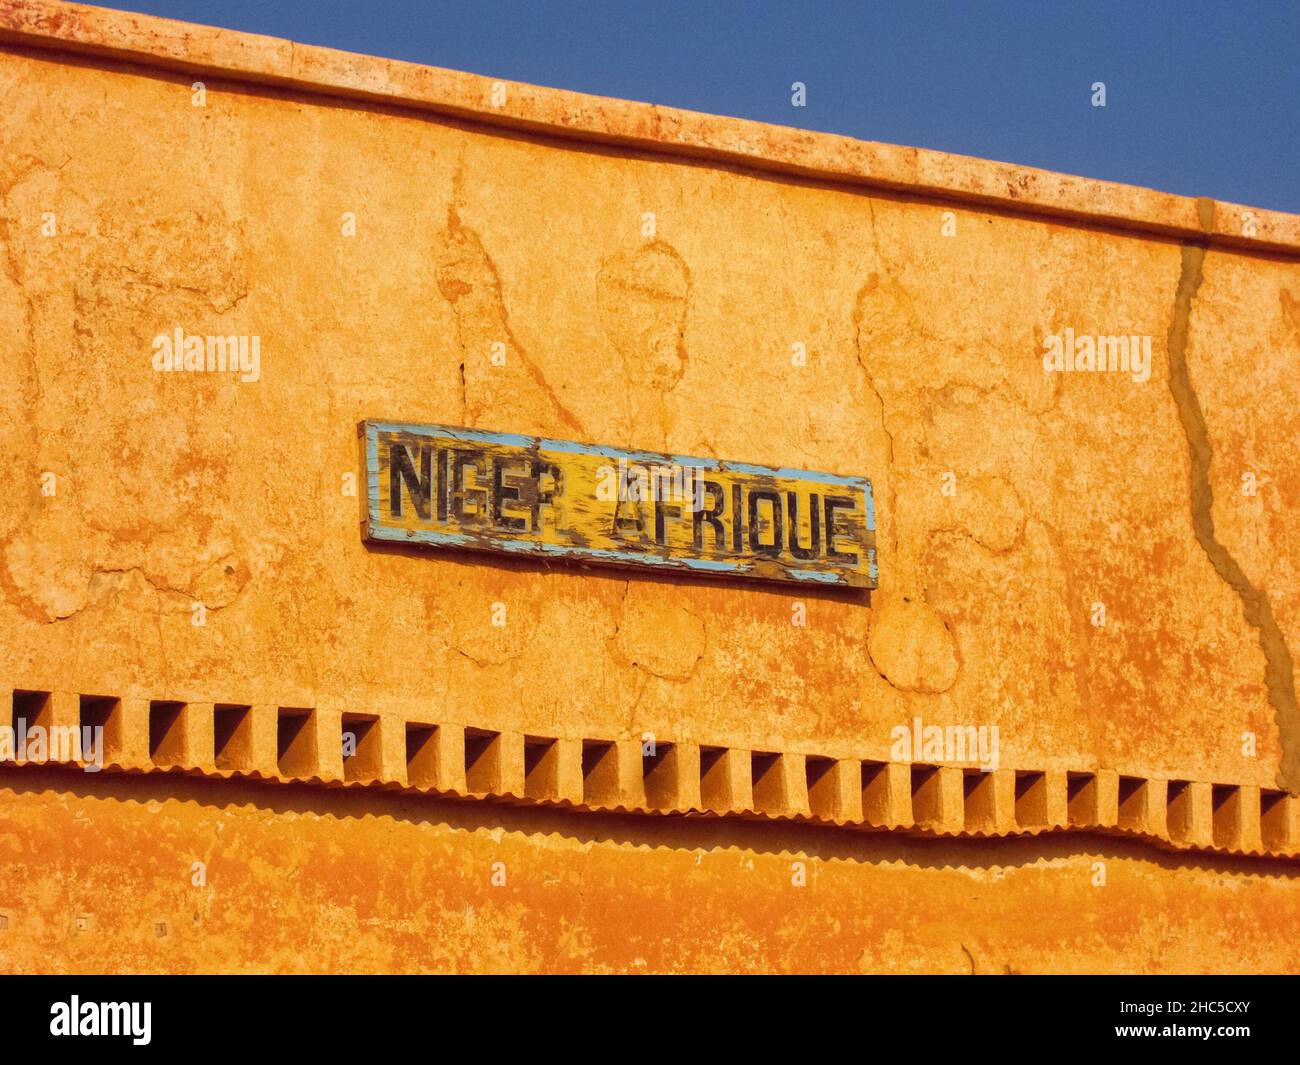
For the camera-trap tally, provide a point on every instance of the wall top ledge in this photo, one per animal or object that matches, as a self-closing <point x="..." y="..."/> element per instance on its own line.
<point x="181" y="46"/>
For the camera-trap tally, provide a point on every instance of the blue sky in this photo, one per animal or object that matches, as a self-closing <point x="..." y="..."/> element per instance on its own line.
<point x="1201" y="99"/>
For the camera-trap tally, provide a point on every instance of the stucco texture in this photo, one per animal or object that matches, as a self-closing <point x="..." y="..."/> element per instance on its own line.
<point x="1010" y="503"/>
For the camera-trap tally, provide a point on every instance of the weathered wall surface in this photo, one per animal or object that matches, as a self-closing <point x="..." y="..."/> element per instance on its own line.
<point x="350" y="882"/>
<point x="1010" y="502"/>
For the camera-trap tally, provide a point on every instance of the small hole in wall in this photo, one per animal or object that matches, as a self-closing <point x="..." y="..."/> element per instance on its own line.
<point x="166" y="732"/>
<point x="421" y="755"/>
<point x="232" y="737"/>
<point x="295" y="745"/>
<point x="541" y="767"/>
<point x="362" y="751"/>
<point x="599" y="772"/>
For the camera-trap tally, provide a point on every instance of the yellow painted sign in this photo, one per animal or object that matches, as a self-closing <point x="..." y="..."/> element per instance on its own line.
<point x="525" y="495"/>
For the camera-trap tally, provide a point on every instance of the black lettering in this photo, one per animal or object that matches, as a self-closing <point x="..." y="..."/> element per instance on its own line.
<point x="634" y="483"/>
<point x="737" y="519"/>
<point x="834" y="503"/>
<point x="755" y="528"/>
<point x="503" y="494"/>
<point x="443" y="485"/>
<point x="537" y="470"/>
<point x="624" y="525"/>
<point x="401" y="468"/>
<point x="460" y="495"/>
<point x="718" y="499"/>
<point x="662" y="511"/>
<point x="815" y="520"/>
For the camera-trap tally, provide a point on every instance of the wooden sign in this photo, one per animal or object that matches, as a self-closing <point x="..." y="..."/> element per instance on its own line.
<point x="525" y="495"/>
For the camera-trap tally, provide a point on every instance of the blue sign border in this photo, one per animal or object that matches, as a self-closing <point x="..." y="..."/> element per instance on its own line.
<point x="376" y="530"/>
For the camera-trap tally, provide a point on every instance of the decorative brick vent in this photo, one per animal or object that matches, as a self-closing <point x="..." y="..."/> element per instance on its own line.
<point x="331" y="747"/>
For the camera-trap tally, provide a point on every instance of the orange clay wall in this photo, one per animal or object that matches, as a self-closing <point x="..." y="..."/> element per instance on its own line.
<point x="561" y="767"/>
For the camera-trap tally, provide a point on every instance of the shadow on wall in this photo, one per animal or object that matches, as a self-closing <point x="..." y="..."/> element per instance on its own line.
<point x="621" y="575"/>
<point x="691" y="832"/>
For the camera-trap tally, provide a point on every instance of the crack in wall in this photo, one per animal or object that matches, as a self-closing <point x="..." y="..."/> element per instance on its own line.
<point x="468" y="279"/>
<point x="880" y="403"/>
<point x="20" y="438"/>
<point x="97" y="593"/>
<point x="1279" y="669"/>
<point x="629" y="658"/>
<point x="643" y="298"/>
